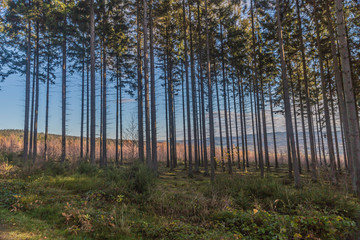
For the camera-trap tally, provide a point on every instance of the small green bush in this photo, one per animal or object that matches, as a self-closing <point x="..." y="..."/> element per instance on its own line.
<point x="86" y="168"/>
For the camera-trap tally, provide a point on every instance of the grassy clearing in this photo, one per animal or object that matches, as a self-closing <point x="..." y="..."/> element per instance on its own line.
<point x="62" y="201"/>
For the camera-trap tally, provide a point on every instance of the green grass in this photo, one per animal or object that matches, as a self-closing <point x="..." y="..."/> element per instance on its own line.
<point x="83" y="202"/>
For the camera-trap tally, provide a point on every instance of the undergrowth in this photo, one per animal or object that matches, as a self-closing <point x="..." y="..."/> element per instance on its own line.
<point x="81" y="201"/>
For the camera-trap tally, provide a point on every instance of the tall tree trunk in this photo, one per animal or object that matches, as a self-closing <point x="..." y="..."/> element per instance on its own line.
<point x="334" y="127"/>
<point x="201" y="79"/>
<point x="153" y="95"/>
<point x="211" y="114"/>
<point x="93" y="96"/>
<point x="230" y="126"/>
<point x="339" y="83"/>
<point x="256" y="92"/>
<point x="63" y="105"/>
<point x="147" y="100"/>
<point x="184" y="116"/>
<point x="349" y="96"/>
<point x="245" y="167"/>
<point x="227" y="153"/>
<point x="273" y="128"/>
<point x="121" y="121"/>
<point x="36" y="94"/>
<point x="166" y="115"/>
<point x="27" y="90"/>
<point x="32" y="107"/>
<point x="295" y="122"/>
<point x="194" y="102"/>
<point x="139" y="87"/>
<point x="266" y="145"/>
<point x="303" y="124"/>
<point x="289" y="126"/>
<point x="307" y="97"/>
<point x="253" y="130"/>
<point x="236" y="126"/>
<point x="325" y="100"/>
<point x="82" y="104"/>
<point x="117" y="113"/>
<point x="188" y="107"/>
<point x="47" y="102"/>
<point x="87" y="110"/>
<point x="219" y="119"/>
<point x="104" y="106"/>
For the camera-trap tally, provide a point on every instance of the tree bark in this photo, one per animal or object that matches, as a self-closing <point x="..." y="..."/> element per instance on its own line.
<point x="289" y="126"/>
<point x="153" y="95"/>
<point x="92" y="76"/>
<point x="308" y="106"/>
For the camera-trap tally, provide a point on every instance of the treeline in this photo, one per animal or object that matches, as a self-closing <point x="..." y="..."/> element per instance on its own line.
<point x="230" y="61"/>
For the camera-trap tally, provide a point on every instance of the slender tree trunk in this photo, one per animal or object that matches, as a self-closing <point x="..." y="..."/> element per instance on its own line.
<point x="82" y="105"/>
<point x="121" y="121"/>
<point x="273" y="128"/>
<point x="220" y="125"/>
<point x="266" y="145"/>
<point x="237" y="128"/>
<point x="117" y="113"/>
<point x="63" y="106"/>
<point x="326" y="102"/>
<point x="194" y="102"/>
<point x="166" y="116"/>
<point x="146" y="76"/>
<point x="289" y="126"/>
<point x="334" y="127"/>
<point x="253" y="130"/>
<point x="211" y="114"/>
<point x="308" y="106"/>
<point x="104" y="106"/>
<point x="256" y="93"/>
<point x="140" y="87"/>
<point x="87" y="111"/>
<point x="93" y="96"/>
<point x="245" y="128"/>
<point x="32" y="107"/>
<point x="303" y="124"/>
<point x="47" y="102"/>
<point x="295" y="123"/>
<point x="153" y="95"/>
<point x="27" y="90"/>
<point x="184" y="117"/>
<point x="204" y="142"/>
<point x="188" y="107"/>
<point x="227" y="153"/>
<point x="36" y="94"/>
<point x="230" y="127"/>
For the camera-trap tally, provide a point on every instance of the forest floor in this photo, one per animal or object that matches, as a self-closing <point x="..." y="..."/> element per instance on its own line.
<point x="67" y="201"/>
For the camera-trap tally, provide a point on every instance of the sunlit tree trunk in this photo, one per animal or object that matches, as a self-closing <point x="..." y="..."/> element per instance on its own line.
<point x="92" y="76"/>
<point x="307" y="97"/>
<point x="273" y="128"/>
<point x="36" y="93"/>
<point x="63" y="93"/>
<point x="289" y="127"/>
<point x="139" y="87"/>
<point x="211" y="113"/>
<point x="349" y="96"/>
<point x="329" y="137"/>
<point x="188" y="107"/>
<point x="153" y="95"/>
<point x="27" y="90"/>
<point x="146" y="77"/>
